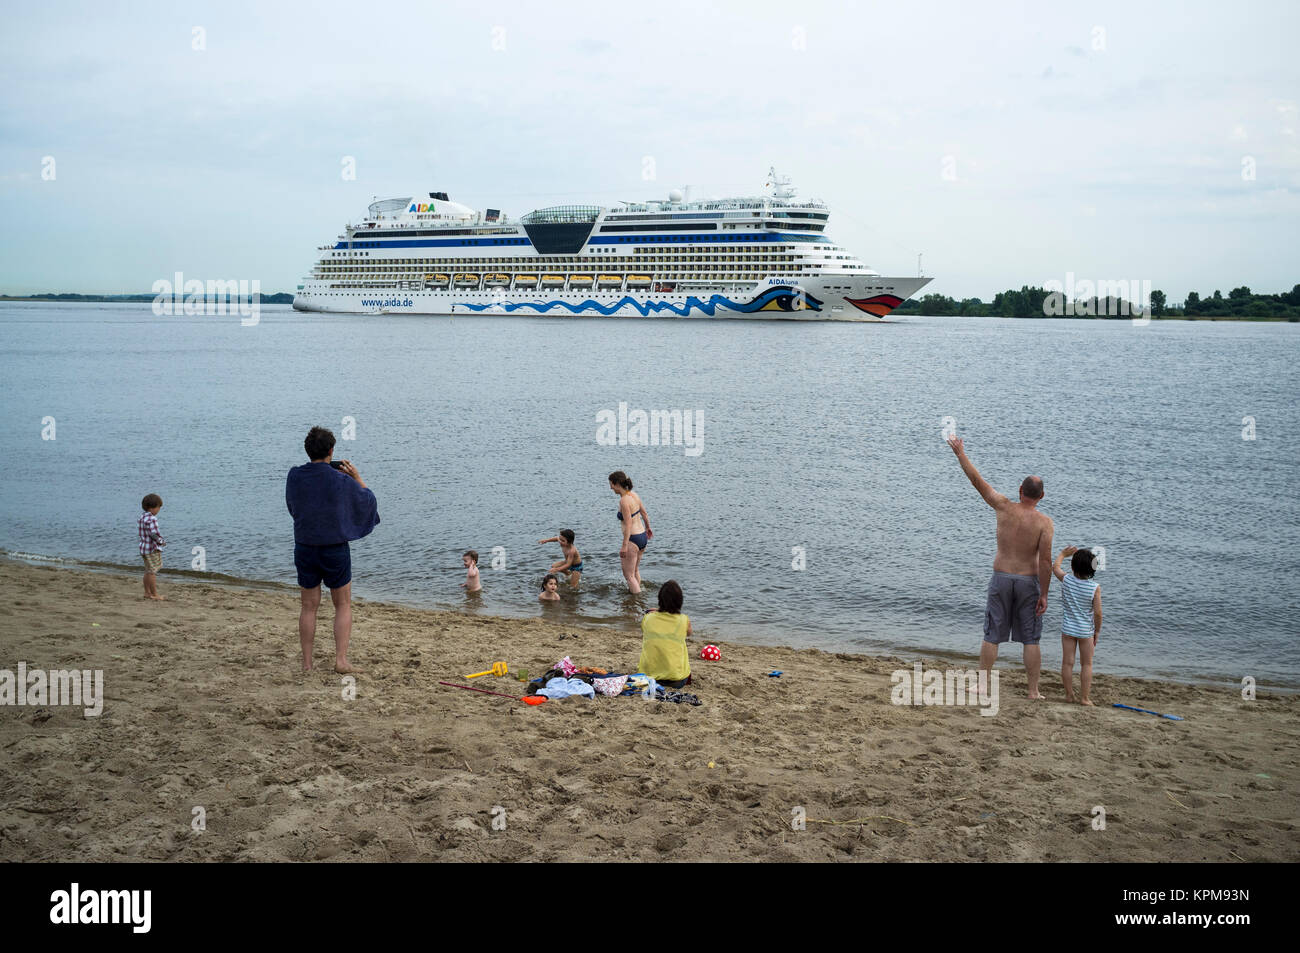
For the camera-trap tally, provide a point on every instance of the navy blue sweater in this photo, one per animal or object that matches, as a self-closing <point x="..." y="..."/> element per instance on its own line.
<point x="328" y="506"/>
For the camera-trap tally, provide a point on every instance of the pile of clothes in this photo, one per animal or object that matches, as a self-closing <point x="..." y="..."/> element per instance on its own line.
<point x="564" y="679"/>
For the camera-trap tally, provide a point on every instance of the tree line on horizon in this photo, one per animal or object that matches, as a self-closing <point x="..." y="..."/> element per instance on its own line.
<point x="280" y="297"/>
<point x="1026" y="303"/>
<point x="1033" y="303"/>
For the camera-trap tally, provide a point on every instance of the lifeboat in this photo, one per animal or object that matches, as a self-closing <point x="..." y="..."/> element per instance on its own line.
<point x="610" y="281"/>
<point x="497" y="280"/>
<point x="525" y="281"/>
<point x="436" y="281"/>
<point x="638" y="281"/>
<point x="580" y="281"/>
<point x="466" y="280"/>
<point x="552" y="281"/>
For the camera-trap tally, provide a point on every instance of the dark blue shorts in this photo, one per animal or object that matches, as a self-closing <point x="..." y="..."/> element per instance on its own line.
<point x="331" y="564"/>
<point x="1012" y="609"/>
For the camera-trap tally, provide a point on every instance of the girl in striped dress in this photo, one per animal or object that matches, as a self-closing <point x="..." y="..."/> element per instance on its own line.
<point x="1080" y="618"/>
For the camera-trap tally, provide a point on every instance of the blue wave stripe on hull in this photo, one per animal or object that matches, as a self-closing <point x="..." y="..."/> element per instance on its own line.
<point x="709" y="307"/>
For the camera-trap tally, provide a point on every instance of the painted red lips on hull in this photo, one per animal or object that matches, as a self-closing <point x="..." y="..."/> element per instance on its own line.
<point x="879" y="305"/>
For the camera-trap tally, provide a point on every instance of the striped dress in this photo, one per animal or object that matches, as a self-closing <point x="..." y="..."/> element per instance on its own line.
<point x="1076" y="598"/>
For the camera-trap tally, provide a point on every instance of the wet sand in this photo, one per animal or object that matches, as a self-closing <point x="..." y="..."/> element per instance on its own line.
<point x="205" y="708"/>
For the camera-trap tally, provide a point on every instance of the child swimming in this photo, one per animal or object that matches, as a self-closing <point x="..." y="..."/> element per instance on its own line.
<point x="550" y="585"/>
<point x="572" y="561"/>
<point x="470" y="562"/>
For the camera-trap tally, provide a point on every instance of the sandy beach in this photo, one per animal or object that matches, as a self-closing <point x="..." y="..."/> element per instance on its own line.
<point x="205" y="708"/>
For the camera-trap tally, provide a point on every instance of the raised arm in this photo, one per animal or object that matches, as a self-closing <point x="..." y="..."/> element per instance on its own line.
<point x="1057" y="571"/>
<point x="991" y="496"/>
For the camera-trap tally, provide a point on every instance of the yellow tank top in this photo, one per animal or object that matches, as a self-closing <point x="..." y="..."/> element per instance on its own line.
<point x="663" y="647"/>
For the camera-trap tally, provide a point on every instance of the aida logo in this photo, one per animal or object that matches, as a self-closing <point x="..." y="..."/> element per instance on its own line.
<point x="422" y="207"/>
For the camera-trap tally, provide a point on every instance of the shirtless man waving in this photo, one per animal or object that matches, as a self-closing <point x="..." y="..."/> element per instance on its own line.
<point x="1022" y="569"/>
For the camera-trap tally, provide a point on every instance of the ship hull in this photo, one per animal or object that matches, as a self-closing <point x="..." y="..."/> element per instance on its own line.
<point x="826" y="298"/>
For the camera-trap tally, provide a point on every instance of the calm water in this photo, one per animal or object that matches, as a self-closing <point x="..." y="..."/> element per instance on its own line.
<point x="482" y="432"/>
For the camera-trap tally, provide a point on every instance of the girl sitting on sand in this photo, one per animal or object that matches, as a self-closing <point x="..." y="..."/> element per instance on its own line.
<point x="663" y="645"/>
<point x="1080" y="618"/>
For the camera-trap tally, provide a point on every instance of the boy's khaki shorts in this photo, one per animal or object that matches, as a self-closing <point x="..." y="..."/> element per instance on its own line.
<point x="152" y="562"/>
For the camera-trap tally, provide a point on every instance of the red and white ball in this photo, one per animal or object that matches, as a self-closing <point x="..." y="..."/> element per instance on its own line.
<point x="711" y="653"/>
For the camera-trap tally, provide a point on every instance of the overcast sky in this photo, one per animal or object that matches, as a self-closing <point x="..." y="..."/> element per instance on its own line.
<point x="1010" y="143"/>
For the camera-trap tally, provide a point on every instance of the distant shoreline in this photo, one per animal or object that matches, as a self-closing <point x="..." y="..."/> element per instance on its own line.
<point x="917" y="309"/>
<point x="281" y="297"/>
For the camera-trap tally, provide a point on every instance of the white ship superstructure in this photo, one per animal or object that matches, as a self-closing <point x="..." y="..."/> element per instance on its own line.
<point x="763" y="257"/>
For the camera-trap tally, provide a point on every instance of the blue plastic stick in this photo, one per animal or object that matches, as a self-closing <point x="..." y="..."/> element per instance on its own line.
<point x="1147" y="711"/>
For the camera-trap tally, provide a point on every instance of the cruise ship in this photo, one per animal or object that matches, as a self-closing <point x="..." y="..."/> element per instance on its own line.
<point x="763" y="256"/>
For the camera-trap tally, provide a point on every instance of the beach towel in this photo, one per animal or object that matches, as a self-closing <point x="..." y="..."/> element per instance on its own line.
<point x="328" y="506"/>
<point x="638" y="684"/>
<point x="566" y="688"/>
<point x="610" y="686"/>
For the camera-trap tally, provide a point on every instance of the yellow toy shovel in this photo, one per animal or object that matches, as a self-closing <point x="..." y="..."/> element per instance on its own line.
<point x="498" y="669"/>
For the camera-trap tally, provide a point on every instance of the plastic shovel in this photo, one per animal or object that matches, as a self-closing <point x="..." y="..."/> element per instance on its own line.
<point x="498" y="669"/>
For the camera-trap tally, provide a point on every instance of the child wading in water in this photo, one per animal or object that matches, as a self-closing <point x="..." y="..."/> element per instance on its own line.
<point x="1080" y="619"/>
<point x="550" y="585"/>
<point x="572" y="561"/>
<point x="151" y="543"/>
<point x="470" y="562"/>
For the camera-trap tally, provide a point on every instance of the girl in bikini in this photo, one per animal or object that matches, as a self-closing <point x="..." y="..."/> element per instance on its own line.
<point x="636" y="528"/>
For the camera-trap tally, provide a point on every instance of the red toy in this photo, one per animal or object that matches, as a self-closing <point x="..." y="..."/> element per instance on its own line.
<point x="711" y="653"/>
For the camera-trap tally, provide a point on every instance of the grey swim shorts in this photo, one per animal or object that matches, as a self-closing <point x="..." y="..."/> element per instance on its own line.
<point x="1011" y="610"/>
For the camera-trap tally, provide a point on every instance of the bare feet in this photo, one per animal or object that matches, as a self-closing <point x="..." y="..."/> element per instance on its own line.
<point x="1038" y="697"/>
<point x="1087" y="702"/>
<point x="345" y="668"/>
